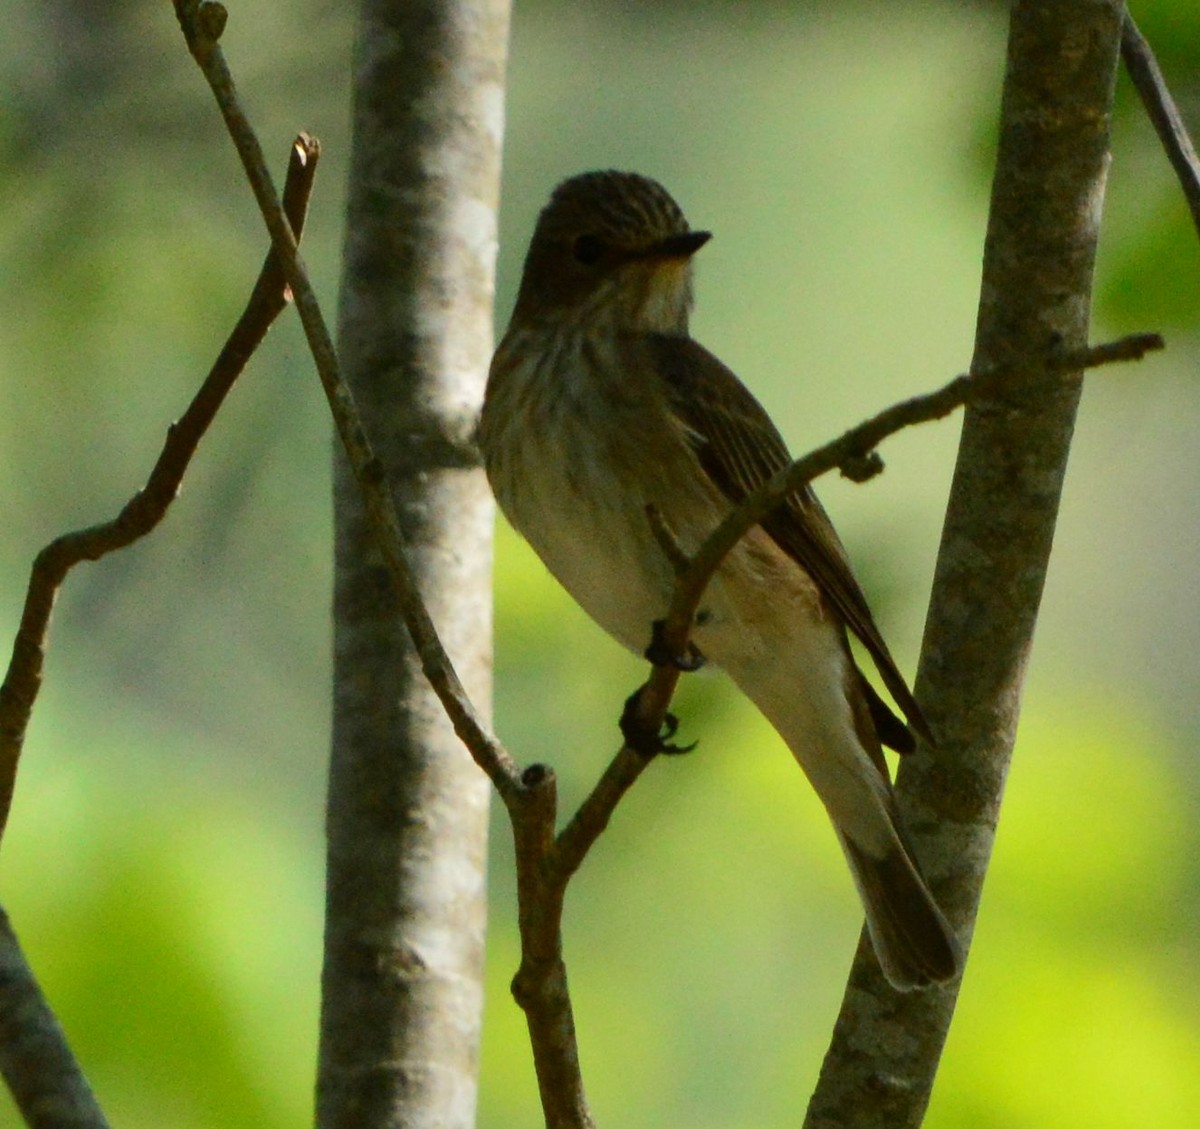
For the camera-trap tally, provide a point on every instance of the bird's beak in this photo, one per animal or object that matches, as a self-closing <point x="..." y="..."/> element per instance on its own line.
<point x="680" y="246"/>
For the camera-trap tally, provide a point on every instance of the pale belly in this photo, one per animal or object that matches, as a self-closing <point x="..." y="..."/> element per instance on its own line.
<point x="610" y="561"/>
<point x="761" y="619"/>
<point x="612" y="569"/>
<point x="763" y="628"/>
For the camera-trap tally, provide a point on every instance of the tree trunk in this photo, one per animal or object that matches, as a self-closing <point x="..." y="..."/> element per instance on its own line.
<point x="407" y="815"/>
<point x="1037" y="280"/>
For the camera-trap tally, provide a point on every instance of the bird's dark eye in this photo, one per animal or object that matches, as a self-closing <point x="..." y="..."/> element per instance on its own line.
<point x="587" y="249"/>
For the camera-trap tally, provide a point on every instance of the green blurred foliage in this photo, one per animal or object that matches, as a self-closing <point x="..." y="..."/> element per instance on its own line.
<point x="163" y="864"/>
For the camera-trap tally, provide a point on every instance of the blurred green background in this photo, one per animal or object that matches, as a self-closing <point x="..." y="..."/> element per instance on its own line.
<point x="163" y="865"/>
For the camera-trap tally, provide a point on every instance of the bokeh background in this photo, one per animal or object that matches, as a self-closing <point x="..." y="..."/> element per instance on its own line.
<point x="163" y="865"/>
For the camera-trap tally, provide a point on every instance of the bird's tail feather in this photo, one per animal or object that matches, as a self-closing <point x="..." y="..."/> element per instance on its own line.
<point x="913" y="942"/>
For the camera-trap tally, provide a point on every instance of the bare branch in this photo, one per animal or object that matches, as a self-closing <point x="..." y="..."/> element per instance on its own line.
<point x="368" y="470"/>
<point x="1134" y="347"/>
<point x="148" y="506"/>
<point x="540" y="985"/>
<point x="1168" y="122"/>
<point x="41" y="1073"/>
<point x="1043" y="227"/>
<point x="589" y="822"/>
<point x="856" y="444"/>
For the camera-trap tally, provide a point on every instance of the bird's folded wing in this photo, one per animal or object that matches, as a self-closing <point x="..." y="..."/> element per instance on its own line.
<point x="740" y="448"/>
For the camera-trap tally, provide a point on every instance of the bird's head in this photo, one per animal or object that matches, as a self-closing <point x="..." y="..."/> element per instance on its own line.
<point x="610" y="248"/>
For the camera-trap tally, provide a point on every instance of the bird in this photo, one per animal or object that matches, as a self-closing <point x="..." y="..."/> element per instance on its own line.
<point x="599" y="404"/>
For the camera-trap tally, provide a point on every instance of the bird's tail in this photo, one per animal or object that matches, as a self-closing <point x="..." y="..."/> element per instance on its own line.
<point x="913" y="942"/>
<point x="809" y="689"/>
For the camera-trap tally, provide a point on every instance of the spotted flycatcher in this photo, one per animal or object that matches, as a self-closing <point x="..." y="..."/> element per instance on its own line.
<point x="599" y="404"/>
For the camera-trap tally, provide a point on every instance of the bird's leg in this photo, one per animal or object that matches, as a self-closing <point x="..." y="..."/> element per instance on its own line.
<point x="645" y="742"/>
<point x="660" y="654"/>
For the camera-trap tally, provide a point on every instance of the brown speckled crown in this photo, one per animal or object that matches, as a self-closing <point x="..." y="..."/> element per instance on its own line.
<point x="624" y="215"/>
<point x="623" y="208"/>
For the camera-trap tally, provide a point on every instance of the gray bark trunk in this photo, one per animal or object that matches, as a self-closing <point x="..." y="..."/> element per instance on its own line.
<point x="1035" y="300"/>
<point x="407" y="815"/>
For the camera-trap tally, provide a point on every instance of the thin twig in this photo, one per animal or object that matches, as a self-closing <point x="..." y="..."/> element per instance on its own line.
<point x="589" y="822"/>
<point x="540" y="985"/>
<point x="1133" y="347"/>
<point x="202" y="33"/>
<point x="148" y="506"/>
<point x="42" y="1074"/>
<point x="853" y="445"/>
<point x="1168" y="122"/>
<point x="653" y="701"/>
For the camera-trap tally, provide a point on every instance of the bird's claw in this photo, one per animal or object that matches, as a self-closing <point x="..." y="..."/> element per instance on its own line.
<point x="660" y="654"/>
<point x="670" y="728"/>
<point x="644" y="742"/>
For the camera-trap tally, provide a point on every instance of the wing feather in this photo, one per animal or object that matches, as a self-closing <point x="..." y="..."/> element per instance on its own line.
<point x="740" y="448"/>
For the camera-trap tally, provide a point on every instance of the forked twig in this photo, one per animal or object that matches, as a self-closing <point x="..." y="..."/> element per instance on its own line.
<point x="37" y="1063"/>
<point x="148" y="506"/>
<point x="202" y="22"/>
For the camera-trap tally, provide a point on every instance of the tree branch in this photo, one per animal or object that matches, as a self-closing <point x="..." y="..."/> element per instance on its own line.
<point x="43" y="1076"/>
<point x="407" y="814"/>
<point x="202" y="34"/>
<point x="1035" y="296"/>
<point x="855" y="445"/>
<point x="148" y="506"/>
<point x="540" y="985"/>
<point x="1160" y="106"/>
